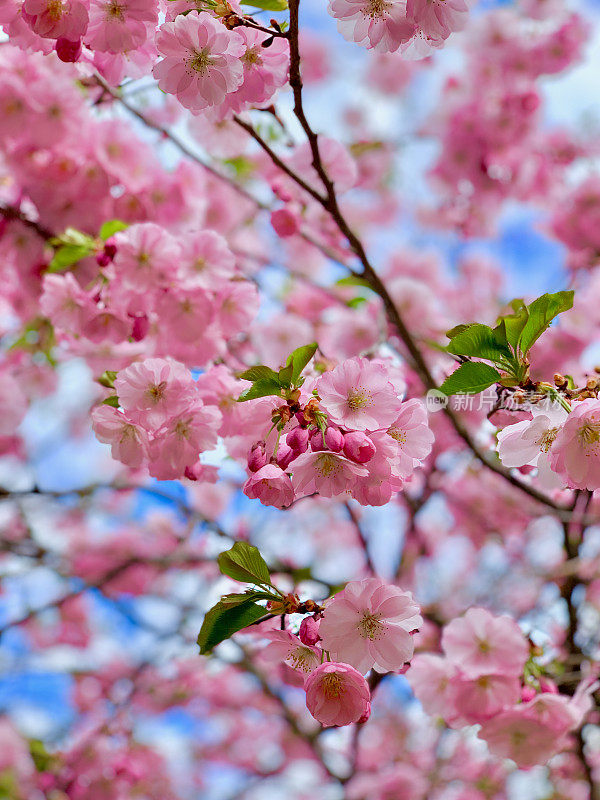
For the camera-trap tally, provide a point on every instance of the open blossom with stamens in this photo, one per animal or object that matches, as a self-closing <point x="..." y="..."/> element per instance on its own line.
<point x="154" y="390"/>
<point x="482" y="644"/>
<point x="286" y="647"/>
<point x="324" y="472"/>
<point x="380" y="25"/>
<point x="575" y="453"/>
<point x="369" y="625"/>
<point x="201" y="63"/>
<point x="437" y="19"/>
<point x="358" y="395"/>
<point x="337" y="694"/>
<point x="529" y="442"/>
<point x="117" y="26"/>
<point x="54" y="19"/>
<point x="129" y="442"/>
<point x="178" y="443"/>
<point x="265" y="70"/>
<point x="271" y="485"/>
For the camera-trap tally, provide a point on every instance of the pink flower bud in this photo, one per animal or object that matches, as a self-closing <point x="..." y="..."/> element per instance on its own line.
<point x="285" y="222"/>
<point x="527" y="693"/>
<point x="309" y="631"/>
<point x="257" y="457"/>
<point x="366" y="715"/>
<point x="285" y="455"/>
<point x="547" y="686"/>
<point x="140" y="328"/>
<point x="358" y="447"/>
<point x="298" y="440"/>
<point x="316" y="441"/>
<point x="334" y="439"/>
<point x="68" y="51"/>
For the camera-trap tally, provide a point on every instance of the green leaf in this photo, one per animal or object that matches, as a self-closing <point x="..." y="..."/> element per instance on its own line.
<point x="244" y="563"/>
<point x="459" y="329"/>
<point x="113" y="401"/>
<point x="267" y="5"/>
<point x="354" y="280"/>
<point x="470" y="378"/>
<point x="541" y="313"/>
<point x="512" y="325"/>
<point x="285" y="376"/>
<point x="257" y="373"/>
<point x="299" y="359"/>
<point x="482" y="342"/>
<point x="107" y="379"/>
<point x="245" y="597"/>
<point x="262" y="388"/>
<point x="223" y="620"/>
<point x="355" y="302"/>
<point x="67" y="255"/>
<point x="111" y="227"/>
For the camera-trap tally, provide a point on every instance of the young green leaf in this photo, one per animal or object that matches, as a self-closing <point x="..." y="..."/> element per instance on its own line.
<point x="223" y="620"/>
<point x="267" y="5"/>
<point x="244" y="563"/>
<point x="482" y="342"/>
<point x="113" y="401"/>
<point x="67" y="255"/>
<point x="111" y="227"/>
<point x="235" y="599"/>
<point x="541" y="313"/>
<point x="459" y="329"/>
<point x="285" y="376"/>
<point x="262" y="388"/>
<point x="471" y="377"/>
<point x="299" y="359"/>
<point x="258" y="373"/>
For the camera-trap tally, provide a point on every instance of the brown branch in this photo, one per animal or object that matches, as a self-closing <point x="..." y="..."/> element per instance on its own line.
<point x="11" y="213"/>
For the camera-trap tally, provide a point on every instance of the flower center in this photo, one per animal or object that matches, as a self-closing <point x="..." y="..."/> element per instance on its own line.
<point x="398" y="434"/>
<point x="182" y="429"/>
<point x="589" y="433"/>
<point x="328" y="465"/>
<point x="375" y="8"/>
<point x="251" y="56"/>
<point x="371" y="627"/>
<point x="200" y="62"/>
<point x="332" y="685"/>
<point x="114" y="10"/>
<point x="157" y="391"/>
<point x="55" y="9"/>
<point x="545" y="442"/>
<point x="301" y="658"/>
<point x="358" y="398"/>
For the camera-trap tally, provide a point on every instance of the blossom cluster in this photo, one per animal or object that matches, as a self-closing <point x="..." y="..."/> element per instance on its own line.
<point x="479" y="680"/>
<point x="368" y="625"/>
<point x="176" y="296"/>
<point x="354" y="435"/>
<point x="564" y="446"/>
<point x="161" y="422"/>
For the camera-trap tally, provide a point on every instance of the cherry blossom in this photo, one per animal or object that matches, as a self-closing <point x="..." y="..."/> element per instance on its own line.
<point x="336" y="694"/>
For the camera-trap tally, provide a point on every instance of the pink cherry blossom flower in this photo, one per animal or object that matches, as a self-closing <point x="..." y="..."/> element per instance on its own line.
<point x="64" y="302"/>
<point x="408" y="440"/>
<point x="437" y="19"/>
<point x="54" y="19"/>
<point x="369" y="625"/>
<point x="205" y="258"/>
<point x="201" y="63"/>
<point x="358" y="395"/>
<point x="575" y="453"/>
<point x="129" y="442"/>
<point x="529" y="442"/>
<point x="325" y="472"/>
<point x="265" y="70"/>
<point x="481" y="644"/>
<point x="146" y="255"/>
<point x="336" y="694"/>
<point x="288" y="648"/>
<point x="117" y="26"/>
<point x="177" y="444"/>
<point x="514" y="734"/>
<point x="154" y="390"/>
<point x="478" y="699"/>
<point x="429" y="676"/>
<point x="271" y="485"/>
<point x="381" y="25"/>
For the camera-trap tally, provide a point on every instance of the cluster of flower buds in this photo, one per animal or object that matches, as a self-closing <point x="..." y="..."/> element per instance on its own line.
<point x="352" y="434"/>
